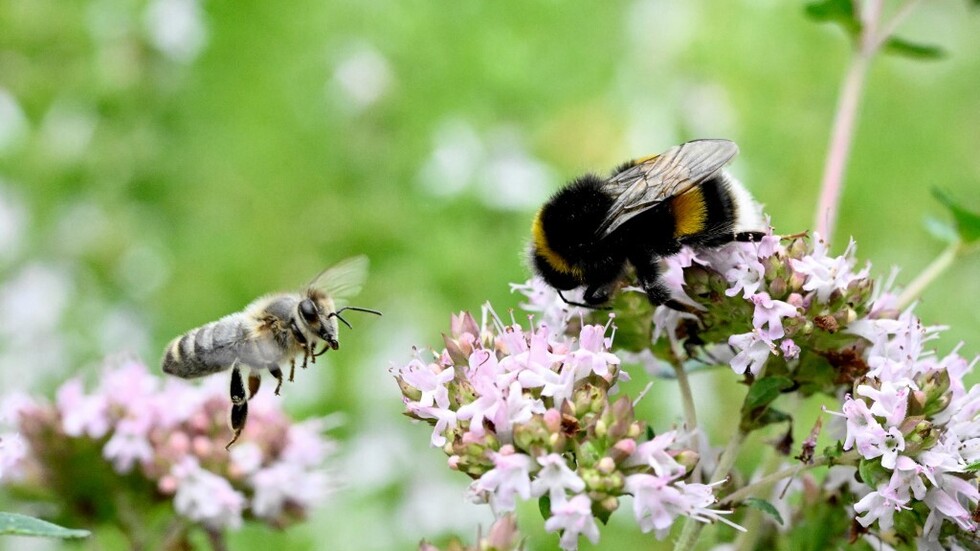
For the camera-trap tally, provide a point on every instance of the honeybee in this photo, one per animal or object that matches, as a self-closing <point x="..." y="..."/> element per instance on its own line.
<point x="588" y="232"/>
<point x="272" y="329"/>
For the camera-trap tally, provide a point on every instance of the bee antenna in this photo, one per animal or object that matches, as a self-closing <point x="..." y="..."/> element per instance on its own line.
<point x="338" y="316"/>
<point x="359" y="309"/>
<point x="354" y="308"/>
<point x="589" y="306"/>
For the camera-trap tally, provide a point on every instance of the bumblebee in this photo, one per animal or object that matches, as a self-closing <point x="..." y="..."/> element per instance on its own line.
<point x="593" y="228"/>
<point x="272" y="329"/>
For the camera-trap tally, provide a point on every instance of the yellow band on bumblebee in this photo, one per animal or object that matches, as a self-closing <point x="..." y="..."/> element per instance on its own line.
<point x="542" y="248"/>
<point x="690" y="213"/>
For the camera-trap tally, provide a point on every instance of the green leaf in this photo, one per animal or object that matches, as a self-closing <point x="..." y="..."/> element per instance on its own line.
<point x="974" y="467"/>
<point x="835" y="11"/>
<point x="764" y="391"/>
<point x="765" y="507"/>
<point x="872" y="472"/>
<point x="967" y="221"/>
<point x="544" y="506"/>
<point x="900" y="46"/>
<point x="13" y="524"/>
<point x="601" y="513"/>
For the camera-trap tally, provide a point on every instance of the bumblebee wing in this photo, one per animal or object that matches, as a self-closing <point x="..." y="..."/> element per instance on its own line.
<point x="344" y="279"/>
<point x="656" y="179"/>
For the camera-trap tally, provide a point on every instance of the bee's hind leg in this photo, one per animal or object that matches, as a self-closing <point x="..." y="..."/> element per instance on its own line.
<point x="239" y="404"/>
<point x="277" y="373"/>
<point x="254" y="382"/>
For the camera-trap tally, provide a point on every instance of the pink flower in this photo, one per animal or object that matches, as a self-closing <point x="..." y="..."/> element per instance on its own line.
<point x="753" y="351"/>
<point x="657" y="502"/>
<point x="82" y="414"/>
<point x="863" y="429"/>
<point x="13" y="450"/>
<point x="592" y="356"/>
<point x="445" y="421"/>
<point x="205" y="497"/>
<point x="509" y="478"/>
<point x="284" y="483"/>
<point x="890" y="402"/>
<point x="825" y="274"/>
<point x="431" y="379"/>
<point x="654" y="453"/>
<point x="770" y="313"/>
<point x="129" y="445"/>
<point x="555" y="478"/>
<point x="789" y="348"/>
<point x="745" y="278"/>
<point x="880" y="506"/>
<point x="573" y="518"/>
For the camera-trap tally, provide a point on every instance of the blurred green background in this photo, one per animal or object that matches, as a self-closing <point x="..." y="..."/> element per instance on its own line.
<point x="164" y="162"/>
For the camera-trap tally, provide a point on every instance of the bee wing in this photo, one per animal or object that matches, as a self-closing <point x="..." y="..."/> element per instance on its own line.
<point x="656" y="179"/>
<point x="344" y="279"/>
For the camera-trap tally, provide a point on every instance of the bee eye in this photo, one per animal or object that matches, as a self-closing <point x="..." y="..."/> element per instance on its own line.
<point x="308" y="310"/>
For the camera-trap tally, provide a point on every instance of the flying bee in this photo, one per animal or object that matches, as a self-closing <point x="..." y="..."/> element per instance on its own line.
<point x="591" y="229"/>
<point x="272" y="329"/>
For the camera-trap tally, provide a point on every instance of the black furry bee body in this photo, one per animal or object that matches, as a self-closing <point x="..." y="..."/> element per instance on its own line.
<point x="593" y="228"/>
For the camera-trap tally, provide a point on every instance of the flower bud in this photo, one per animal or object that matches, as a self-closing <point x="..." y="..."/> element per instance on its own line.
<point x="609" y="504"/>
<point x="622" y="449"/>
<point x="687" y="458"/>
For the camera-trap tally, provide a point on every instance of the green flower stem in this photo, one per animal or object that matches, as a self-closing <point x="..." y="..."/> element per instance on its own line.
<point x="766" y="482"/>
<point x="692" y="528"/>
<point x="930" y="274"/>
<point x="690" y="413"/>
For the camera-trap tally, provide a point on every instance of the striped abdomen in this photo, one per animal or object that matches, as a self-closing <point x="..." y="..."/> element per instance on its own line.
<point x="215" y="347"/>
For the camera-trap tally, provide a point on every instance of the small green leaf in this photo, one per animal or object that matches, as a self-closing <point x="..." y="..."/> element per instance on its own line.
<point x="544" y="505"/>
<point x="765" y="507"/>
<point x="967" y="221"/>
<point x="835" y="11"/>
<point x="974" y="467"/>
<point x="13" y="524"/>
<point x="602" y="514"/>
<point x="872" y="472"/>
<point x="764" y="391"/>
<point x="905" y="48"/>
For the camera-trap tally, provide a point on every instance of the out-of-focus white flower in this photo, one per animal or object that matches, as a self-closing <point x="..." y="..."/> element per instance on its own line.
<point x="176" y="28"/>
<point x="13" y="222"/>
<point x="363" y="77"/>
<point x="13" y="123"/>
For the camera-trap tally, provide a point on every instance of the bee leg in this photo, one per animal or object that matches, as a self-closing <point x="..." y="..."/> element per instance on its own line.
<point x="239" y="413"/>
<point x="750" y="236"/>
<point x="277" y="373"/>
<point x="648" y="277"/>
<point x="598" y="294"/>
<point x="254" y="382"/>
<point x="292" y="369"/>
<point x="239" y="404"/>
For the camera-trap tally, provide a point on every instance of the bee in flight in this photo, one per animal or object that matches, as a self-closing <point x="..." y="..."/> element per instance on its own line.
<point x="272" y="329"/>
<point x="648" y="209"/>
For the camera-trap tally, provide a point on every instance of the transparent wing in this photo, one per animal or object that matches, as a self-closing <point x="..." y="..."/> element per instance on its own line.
<point x="655" y="179"/>
<point x="344" y="279"/>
